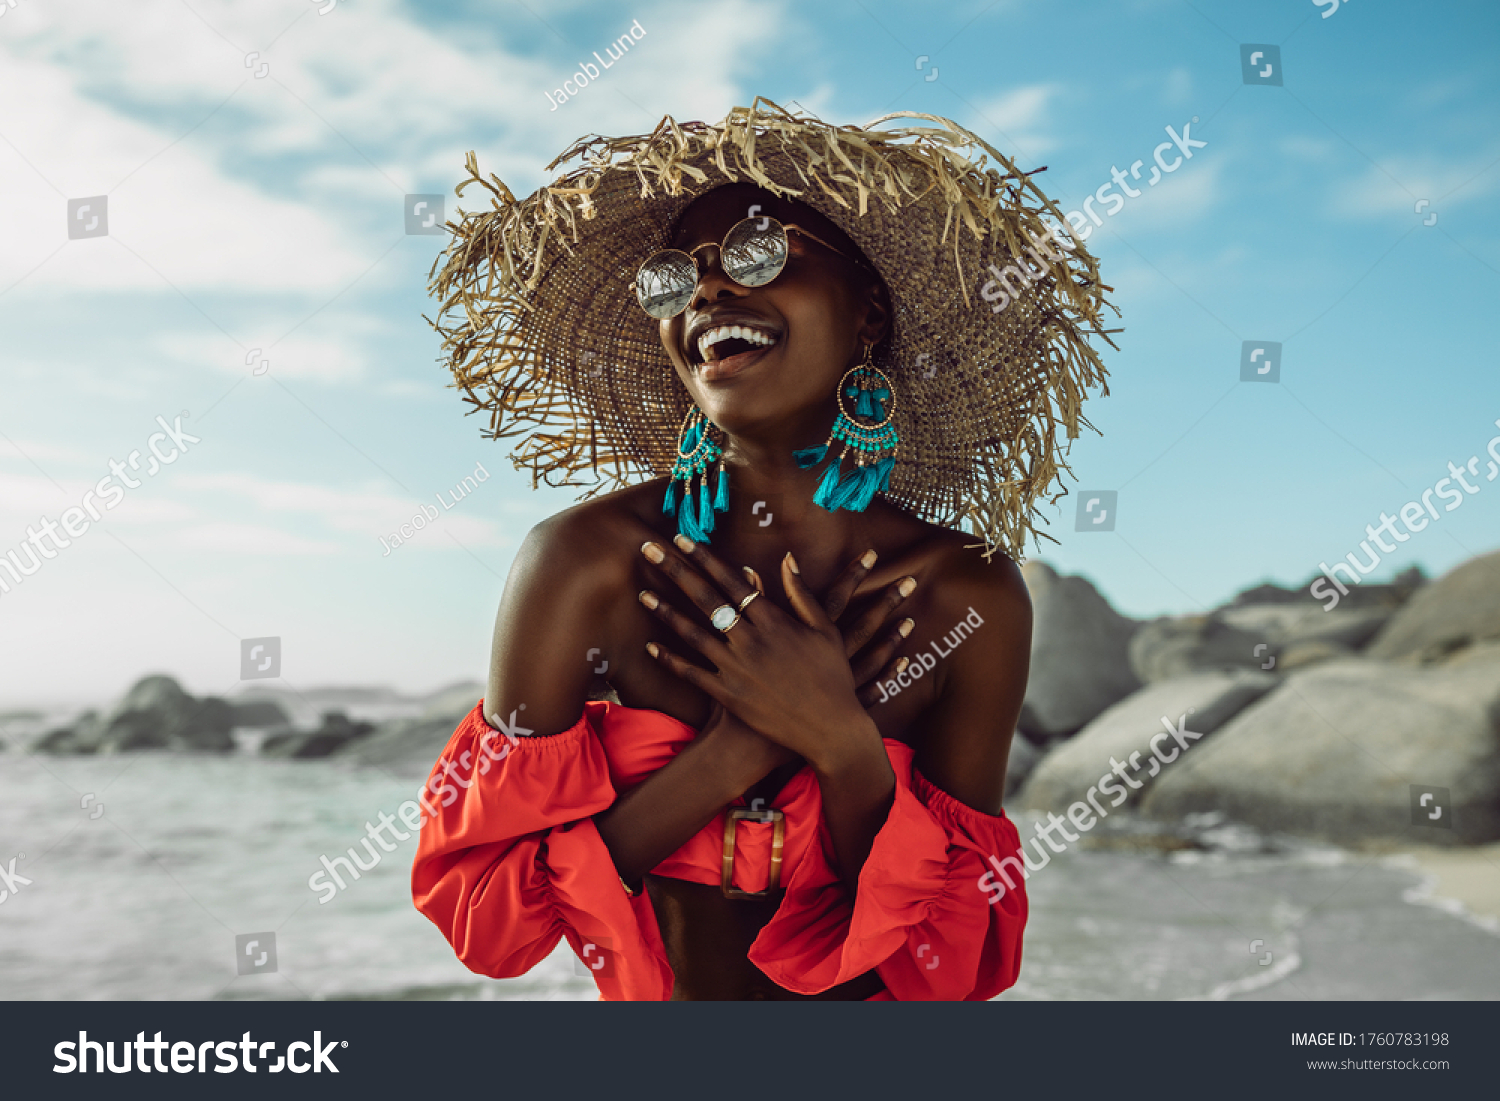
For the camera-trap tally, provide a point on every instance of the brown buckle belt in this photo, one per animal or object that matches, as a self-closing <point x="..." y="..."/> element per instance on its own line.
<point x="778" y="836"/>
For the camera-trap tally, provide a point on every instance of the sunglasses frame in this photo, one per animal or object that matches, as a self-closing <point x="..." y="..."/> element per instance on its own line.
<point x="693" y="256"/>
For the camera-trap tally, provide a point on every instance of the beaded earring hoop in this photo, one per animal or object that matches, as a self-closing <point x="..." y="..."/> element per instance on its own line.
<point x="867" y="431"/>
<point x="696" y="452"/>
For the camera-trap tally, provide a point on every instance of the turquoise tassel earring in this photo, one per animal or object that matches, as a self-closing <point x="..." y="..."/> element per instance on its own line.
<point x="696" y="452"/>
<point x="867" y="431"/>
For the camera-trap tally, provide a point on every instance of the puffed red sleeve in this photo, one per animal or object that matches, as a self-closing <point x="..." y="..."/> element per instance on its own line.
<point x="925" y="916"/>
<point x="510" y="861"/>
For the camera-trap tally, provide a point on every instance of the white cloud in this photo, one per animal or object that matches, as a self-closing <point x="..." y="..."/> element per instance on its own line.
<point x="233" y="538"/>
<point x="1309" y="150"/>
<point x="1018" y="123"/>
<point x="301" y="355"/>
<point x="276" y="191"/>
<point x="179" y="222"/>
<point x="27" y="451"/>
<point x="1393" y="187"/>
<point x="1181" y="198"/>
<point x="26" y="499"/>
<point x="368" y="510"/>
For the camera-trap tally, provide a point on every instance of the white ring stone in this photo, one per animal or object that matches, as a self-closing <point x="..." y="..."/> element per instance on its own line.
<point x="724" y="617"/>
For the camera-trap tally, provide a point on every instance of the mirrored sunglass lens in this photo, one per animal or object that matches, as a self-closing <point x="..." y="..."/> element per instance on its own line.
<point x="665" y="283"/>
<point x="752" y="256"/>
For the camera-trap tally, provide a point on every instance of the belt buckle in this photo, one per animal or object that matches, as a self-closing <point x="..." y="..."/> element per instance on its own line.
<point x="778" y="836"/>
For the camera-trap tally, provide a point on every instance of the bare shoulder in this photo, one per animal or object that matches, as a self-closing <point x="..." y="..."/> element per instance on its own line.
<point x="568" y="592"/>
<point x="582" y="544"/>
<point x="954" y="572"/>
<point x="992" y="585"/>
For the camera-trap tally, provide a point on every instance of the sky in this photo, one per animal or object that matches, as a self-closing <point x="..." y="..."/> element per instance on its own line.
<point x="252" y="284"/>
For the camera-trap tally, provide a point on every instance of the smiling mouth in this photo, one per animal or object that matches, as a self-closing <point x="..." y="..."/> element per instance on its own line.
<point x="725" y="349"/>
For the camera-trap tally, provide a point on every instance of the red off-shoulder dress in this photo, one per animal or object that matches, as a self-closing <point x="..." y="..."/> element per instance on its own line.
<point x="511" y="863"/>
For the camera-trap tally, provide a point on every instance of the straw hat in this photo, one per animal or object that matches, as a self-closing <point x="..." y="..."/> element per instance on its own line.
<point x="541" y="327"/>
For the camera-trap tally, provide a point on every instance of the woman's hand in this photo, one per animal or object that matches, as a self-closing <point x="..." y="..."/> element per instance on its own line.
<point x="787" y="677"/>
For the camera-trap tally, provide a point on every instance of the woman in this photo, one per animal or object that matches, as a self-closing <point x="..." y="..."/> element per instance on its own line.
<point x="718" y="786"/>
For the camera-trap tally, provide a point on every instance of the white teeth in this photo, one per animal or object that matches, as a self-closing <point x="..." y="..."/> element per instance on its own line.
<point x="731" y="332"/>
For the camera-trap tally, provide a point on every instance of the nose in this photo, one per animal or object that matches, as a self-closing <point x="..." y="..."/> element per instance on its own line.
<point x="713" y="284"/>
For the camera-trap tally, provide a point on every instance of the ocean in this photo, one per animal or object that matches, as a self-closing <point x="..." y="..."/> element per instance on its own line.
<point x="145" y="899"/>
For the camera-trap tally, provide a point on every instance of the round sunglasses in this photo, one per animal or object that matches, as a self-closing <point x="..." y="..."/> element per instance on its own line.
<point x="753" y="253"/>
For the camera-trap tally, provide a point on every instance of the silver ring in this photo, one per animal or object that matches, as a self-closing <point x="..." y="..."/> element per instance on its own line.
<point x="724" y="618"/>
<point x="746" y="602"/>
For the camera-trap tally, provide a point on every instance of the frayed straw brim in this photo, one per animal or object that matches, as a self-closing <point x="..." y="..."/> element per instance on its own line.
<point x="541" y="327"/>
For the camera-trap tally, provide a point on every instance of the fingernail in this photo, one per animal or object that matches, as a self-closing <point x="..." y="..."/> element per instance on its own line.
<point x="653" y="649"/>
<point x="653" y="552"/>
<point x="906" y="626"/>
<point x="907" y="585"/>
<point x="901" y="664"/>
<point x="649" y="598"/>
<point x="868" y="559"/>
<point x="792" y="562"/>
<point x="684" y="543"/>
<point x="752" y="575"/>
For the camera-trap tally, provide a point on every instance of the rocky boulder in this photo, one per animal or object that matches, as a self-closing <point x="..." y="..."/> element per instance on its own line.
<point x="1253" y="635"/>
<point x="1285" y="625"/>
<point x="259" y="714"/>
<point x="1172" y="646"/>
<point x="1080" y="660"/>
<point x="411" y="746"/>
<point x="1024" y="756"/>
<point x="1459" y="609"/>
<point x="155" y="714"/>
<point x="1299" y="655"/>
<point x="336" y="732"/>
<point x="1125" y="733"/>
<point x="1337" y="750"/>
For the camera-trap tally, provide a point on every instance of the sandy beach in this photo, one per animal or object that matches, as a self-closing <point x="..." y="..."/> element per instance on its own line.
<point x="1469" y="877"/>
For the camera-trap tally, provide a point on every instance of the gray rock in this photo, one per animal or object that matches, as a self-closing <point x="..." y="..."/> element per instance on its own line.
<point x="1334" y="753"/>
<point x="1300" y="655"/>
<point x="1173" y="646"/>
<point x="1368" y="595"/>
<point x="409" y="747"/>
<point x="1209" y="700"/>
<point x="1390" y="595"/>
<point x="1024" y="756"/>
<point x="1269" y="594"/>
<point x="1286" y="625"/>
<point x="79" y="739"/>
<point x="336" y="732"/>
<point x="1079" y="654"/>
<point x="456" y="698"/>
<point x="155" y="714"/>
<point x="1268" y="622"/>
<point x="1459" y="609"/>
<point x="259" y="713"/>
